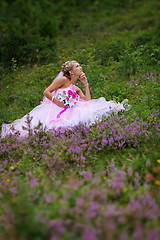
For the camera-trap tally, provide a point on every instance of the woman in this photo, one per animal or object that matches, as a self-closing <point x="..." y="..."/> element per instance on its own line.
<point x="65" y="105"/>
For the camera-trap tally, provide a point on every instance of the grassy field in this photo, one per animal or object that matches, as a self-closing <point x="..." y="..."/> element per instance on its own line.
<point x="96" y="182"/>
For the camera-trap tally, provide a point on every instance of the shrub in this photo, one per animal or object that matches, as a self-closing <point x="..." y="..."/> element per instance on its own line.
<point x="30" y="33"/>
<point x="107" y="52"/>
<point x="134" y="58"/>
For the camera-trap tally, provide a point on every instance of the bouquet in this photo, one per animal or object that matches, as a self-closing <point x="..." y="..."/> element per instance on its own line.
<point x="69" y="98"/>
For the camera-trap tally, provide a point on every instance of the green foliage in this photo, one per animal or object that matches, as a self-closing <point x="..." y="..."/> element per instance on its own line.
<point x="24" y="41"/>
<point x="133" y="59"/>
<point x="30" y="33"/>
<point x="107" y="52"/>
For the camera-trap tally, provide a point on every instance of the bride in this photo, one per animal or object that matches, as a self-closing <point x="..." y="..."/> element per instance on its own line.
<point x="65" y="105"/>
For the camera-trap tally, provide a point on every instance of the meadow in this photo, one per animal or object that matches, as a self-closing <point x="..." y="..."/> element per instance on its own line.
<point x="94" y="182"/>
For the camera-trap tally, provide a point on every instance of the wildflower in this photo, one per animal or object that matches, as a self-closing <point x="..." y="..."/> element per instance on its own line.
<point x="104" y="177"/>
<point x="111" y="140"/>
<point x="151" y="75"/>
<point x="137" y="178"/>
<point x="88" y="175"/>
<point x="112" y="166"/>
<point x="8" y="180"/>
<point x="58" y="182"/>
<point x="154" y="234"/>
<point x="12" y="168"/>
<point x="148" y="163"/>
<point x="158" y="160"/>
<point x="34" y="182"/>
<point x="157" y="182"/>
<point x="88" y="234"/>
<point x="58" y="225"/>
<point x="53" y="238"/>
<point x="130" y="172"/>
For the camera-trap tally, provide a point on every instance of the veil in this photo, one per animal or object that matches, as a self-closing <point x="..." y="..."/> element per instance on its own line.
<point x="60" y="74"/>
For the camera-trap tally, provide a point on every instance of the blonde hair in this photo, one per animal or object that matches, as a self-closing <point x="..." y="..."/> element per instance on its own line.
<point x="66" y="67"/>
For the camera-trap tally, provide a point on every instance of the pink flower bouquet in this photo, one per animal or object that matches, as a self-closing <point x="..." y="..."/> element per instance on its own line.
<point x="68" y="97"/>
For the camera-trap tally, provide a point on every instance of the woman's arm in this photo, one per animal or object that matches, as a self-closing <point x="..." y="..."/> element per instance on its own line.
<point x="54" y="86"/>
<point x="87" y="95"/>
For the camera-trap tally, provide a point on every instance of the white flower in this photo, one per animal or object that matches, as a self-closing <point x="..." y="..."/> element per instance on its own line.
<point x="69" y="98"/>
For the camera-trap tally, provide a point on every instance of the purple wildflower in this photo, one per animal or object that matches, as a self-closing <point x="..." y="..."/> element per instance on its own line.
<point x="89" y="234"/>
<point x="148" y="163"/>
<point x="130" y="171"/>
<point x="112" y="166"/>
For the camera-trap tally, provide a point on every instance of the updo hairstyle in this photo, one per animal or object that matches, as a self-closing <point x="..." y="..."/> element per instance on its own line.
<point x="66" y="67"/>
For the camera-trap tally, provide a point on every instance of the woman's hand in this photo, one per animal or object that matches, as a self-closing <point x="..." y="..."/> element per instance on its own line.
<point x="87" y="95"/>
<point x="83" y="79"/>
<point x="58" y="103"/>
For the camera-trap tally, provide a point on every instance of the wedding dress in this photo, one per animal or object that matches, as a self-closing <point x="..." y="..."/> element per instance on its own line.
<point x="84" y="112"/>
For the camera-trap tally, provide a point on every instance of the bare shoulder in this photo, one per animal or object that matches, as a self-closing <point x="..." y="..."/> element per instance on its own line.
<point x="58" y="83"/>
<point x="61" y="80"/>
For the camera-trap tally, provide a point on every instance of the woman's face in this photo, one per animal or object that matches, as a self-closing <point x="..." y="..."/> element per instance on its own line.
<point x="77" y="69"/>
